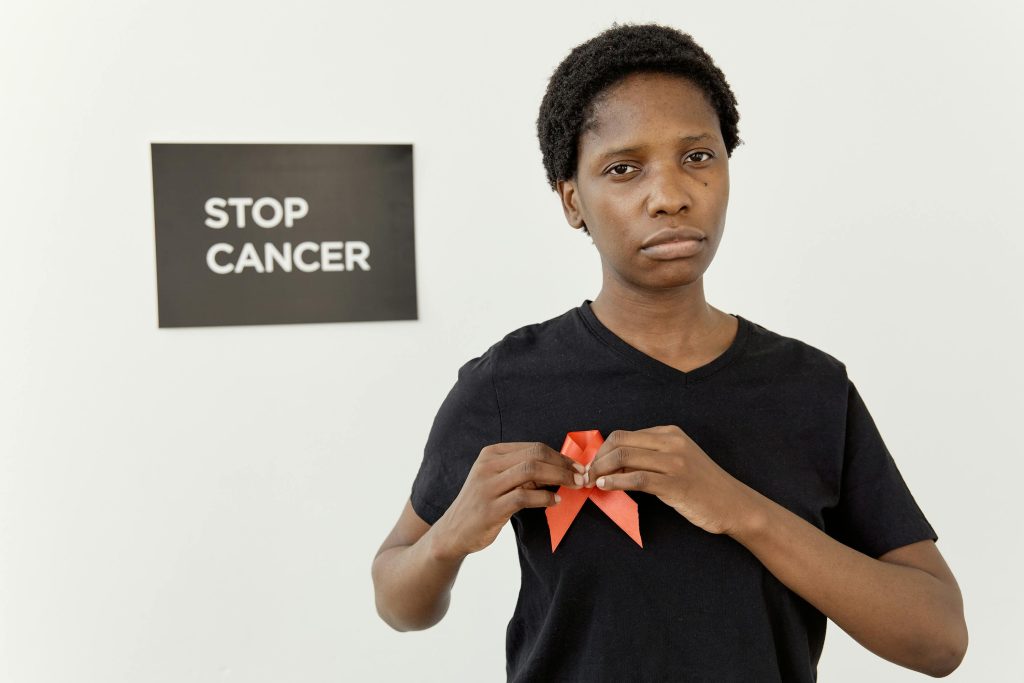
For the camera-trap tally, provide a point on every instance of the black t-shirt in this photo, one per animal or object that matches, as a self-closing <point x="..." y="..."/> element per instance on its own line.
<point x="776" y="413"/>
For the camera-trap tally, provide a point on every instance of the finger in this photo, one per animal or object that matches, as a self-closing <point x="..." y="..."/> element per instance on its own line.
<point x="651" y="438"/>
<point x="536" y="450"/>
<point x="520" y="498"/>
<point x="665" y="429"/>
<point x="626" y="457"/>
<point x="531" y="473"/>
<point x="637" y="480"/>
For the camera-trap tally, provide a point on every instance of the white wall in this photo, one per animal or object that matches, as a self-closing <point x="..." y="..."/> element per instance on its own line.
<point x="204" y="504"/>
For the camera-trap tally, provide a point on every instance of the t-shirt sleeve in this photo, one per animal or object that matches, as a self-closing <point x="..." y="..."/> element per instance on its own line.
<point x="876" y="511"/>
<point x="467" y="421"/>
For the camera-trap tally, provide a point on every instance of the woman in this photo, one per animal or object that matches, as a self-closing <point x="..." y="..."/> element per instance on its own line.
<point x="767" y="499"/>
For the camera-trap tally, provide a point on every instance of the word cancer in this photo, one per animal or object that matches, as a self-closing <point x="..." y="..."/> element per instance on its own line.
<point x="331" y="255"/>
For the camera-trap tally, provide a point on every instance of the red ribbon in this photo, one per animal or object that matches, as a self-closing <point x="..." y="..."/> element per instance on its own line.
<point x="581" y="447"/>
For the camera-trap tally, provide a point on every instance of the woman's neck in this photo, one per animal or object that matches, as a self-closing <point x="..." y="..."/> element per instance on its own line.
<point x="671" y="326"/>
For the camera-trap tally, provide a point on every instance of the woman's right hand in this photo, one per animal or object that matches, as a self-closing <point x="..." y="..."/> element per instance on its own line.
<point x="505" y="478"/>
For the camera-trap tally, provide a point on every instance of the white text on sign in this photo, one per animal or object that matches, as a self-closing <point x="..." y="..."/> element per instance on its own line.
<point x="269" y="213"/>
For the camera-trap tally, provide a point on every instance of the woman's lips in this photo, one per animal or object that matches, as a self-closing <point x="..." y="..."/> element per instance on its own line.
<point x="673" y="250"/>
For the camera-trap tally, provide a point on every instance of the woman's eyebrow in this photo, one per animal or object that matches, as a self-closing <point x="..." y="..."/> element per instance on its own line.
<point x="685" y="139"/>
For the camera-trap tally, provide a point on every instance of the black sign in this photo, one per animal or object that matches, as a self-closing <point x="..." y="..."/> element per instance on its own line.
<point x="258" y="234"/>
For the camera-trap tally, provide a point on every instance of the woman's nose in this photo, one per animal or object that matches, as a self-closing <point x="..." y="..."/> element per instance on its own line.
<point x="669" y="192"/>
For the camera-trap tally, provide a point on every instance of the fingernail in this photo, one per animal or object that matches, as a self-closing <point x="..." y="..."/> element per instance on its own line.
<point x="578" y="478"/>
<point x="588" y="467"/>
<point x="579" y="467"/>
<point x="558" y="498"/>
<point x="600" y="482"/>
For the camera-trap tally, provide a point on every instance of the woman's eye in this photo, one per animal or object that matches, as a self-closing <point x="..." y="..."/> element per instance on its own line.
<point x="612" y="169"/>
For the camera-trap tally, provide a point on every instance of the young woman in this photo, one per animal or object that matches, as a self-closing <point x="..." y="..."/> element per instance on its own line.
<point x="767" y="499"/>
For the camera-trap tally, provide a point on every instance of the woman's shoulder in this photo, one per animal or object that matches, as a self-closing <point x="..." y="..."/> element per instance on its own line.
<point x="790" y="354"/>
<point x="536" y="340"/>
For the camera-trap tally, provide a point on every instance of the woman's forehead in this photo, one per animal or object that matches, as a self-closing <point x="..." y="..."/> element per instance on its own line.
<point x="646" y="107"/>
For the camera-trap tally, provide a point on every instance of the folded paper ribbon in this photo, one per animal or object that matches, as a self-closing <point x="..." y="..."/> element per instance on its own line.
<point x="581" y="447"/>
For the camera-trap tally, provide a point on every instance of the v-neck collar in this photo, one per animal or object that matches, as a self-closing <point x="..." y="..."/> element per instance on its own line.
<point x="654" y="367"/>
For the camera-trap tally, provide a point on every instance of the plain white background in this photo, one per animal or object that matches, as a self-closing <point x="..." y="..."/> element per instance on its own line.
<point x="204" y="504"/>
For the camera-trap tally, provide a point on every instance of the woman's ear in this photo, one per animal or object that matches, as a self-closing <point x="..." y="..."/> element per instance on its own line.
<point x="570" y="202"/>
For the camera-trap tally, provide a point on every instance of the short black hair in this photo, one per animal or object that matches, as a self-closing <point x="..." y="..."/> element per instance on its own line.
<point x="567" y="109"/>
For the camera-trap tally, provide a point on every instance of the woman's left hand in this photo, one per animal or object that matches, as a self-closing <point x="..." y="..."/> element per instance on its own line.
<point x="665" y="462"/>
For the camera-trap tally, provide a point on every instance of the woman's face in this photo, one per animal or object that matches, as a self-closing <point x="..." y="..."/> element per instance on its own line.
<point x="654" y="159"/>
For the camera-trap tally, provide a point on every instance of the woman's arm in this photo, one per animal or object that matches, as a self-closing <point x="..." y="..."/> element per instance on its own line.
<point x="413" y="574"/>
<point x="905" y="606"/>
<point x="416" y="565"/>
